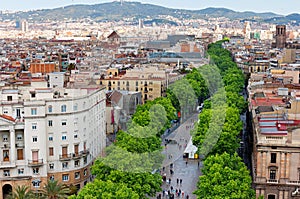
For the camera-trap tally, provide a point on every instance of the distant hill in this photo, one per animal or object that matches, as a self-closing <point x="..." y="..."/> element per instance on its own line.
<point x="292" y="19"/>
<point x="116" y="11"/>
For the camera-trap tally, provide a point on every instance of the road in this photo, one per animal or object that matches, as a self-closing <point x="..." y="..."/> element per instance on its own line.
<point x="187" y="170"/>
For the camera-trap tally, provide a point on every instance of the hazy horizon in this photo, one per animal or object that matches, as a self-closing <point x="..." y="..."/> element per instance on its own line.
<point x="280" y="7"/>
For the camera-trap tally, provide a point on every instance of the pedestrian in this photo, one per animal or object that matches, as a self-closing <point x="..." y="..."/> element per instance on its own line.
<point x="180" y="181"/>
<point x="169" y="180"/>
<point x="163" y="193"/>
<point x="187" y="196"/>
<point x="171" y="188"/>
<point x="163" y="168"/>
<point x="182" y="194"/>
<point x="186" y="162"/>
<point x="198" y="163"/>
<point x="171" y="165"/>
<point x="177" y="180"/>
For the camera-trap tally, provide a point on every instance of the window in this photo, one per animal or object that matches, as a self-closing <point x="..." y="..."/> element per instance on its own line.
<point x="6" y="173"/>
<point x="51" y="166"/>
<point x="33" y="126"/>
<point x="63" y="108"/>
<point x="33" y="111"/>
<point x="271" y="196"/>
<point x="5" y="138"/>
<point x="36" y="183"/>
<point x="84" y="160"/>
<point x="272" y="174"/>
<point x="76" y="163"/>
<point x="85" y="172"/>
<point x="76" y="148"/>
<point x="50" y="123"/>
<point x="273" y="157"/>
<point x="35" y="156"/>
<point x="51" y="178"/>
<point x="50" y="109"/>
<point x="77" y="175"/>
<point x="50" y="137"/>
<point x="75" y="107"/>
<point x="20" y="155"/>
<point x="19" y="137"/>
<point x="21" y="171"/>
<point x="65" y="177"/>
<point x="64" y="137"/>
<point x="34" y="139"/>
<point x="64" y="122"/>
<point x="51" y="151"/>
<point x="35" y="171"/>
<point x="75" y="134"/>
<point x="65" y="165"/>
<point x="5" y="155"/>
<point x="9" y="98"/>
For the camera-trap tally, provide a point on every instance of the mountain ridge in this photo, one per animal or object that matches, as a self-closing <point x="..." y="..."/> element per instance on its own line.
<point x="116" y="11"/>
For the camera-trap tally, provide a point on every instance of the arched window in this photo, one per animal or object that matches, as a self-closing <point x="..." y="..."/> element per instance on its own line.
<point x="50" y="108"/>
<point x="63" y="108"/>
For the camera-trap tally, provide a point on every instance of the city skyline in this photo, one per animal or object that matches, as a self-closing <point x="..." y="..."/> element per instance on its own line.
<point x="280" y="7"/>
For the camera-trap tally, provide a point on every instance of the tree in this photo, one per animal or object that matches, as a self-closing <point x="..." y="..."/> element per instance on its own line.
<point x="224" y="176"/>
<point x="142" y="183"/>
<point x="105" y="190"/>
<point x="21" y="192"/>
<point x="55" y="190"/>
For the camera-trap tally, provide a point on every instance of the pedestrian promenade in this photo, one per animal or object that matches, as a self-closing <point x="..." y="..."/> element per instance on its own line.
<point x="176" y="167"/>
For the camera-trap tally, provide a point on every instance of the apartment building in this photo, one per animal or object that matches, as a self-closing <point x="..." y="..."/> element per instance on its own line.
<point x="151" y="82"/>
<point x="50" y="133"/>
<point x="275" y="110"/>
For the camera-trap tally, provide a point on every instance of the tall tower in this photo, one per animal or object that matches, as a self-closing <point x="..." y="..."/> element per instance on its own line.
<point x="24" y="25"/>
<point x="247" y="30"/>
<point x="280" y="36"/>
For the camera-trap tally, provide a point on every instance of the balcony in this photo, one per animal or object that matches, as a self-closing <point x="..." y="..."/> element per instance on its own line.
<point x="7" y="164"/>
<point x="293" y="182"/>
<point x="85" y="152"/>
<point x="65" y="156"/>
<point x="76" y="155"/>
<point x="34" y="163"/>
<point x="272" y="181"/>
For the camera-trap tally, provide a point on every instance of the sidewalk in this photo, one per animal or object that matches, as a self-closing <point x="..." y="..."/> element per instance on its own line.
<point x="189" y="173"/>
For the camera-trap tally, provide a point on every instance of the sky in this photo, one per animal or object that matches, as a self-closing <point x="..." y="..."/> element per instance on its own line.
<point x="283" y="7"/>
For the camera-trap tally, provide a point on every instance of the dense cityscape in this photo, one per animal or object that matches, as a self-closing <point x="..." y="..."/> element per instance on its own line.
<point x="175" y="105"/>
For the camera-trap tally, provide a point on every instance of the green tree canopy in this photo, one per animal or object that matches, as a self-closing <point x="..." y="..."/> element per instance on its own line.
<point x="105" y="190"/>
<point x="142" y="183"/>
<point x="224" y="177"/>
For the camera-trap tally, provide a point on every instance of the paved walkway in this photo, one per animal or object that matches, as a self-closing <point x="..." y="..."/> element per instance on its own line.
<point x="187" y="170"/>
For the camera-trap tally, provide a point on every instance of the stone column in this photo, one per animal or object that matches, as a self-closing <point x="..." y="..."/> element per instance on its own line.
<point x="12" y="154"/>
<point x="258" y="164"/>
<point x="282" y="165"/>
<point x="257" y="193"/>
<point x="286" y="195"/>
<point x="264" y="159"/>
<point x="288" y="156"/>
<point x="281" y="194"/>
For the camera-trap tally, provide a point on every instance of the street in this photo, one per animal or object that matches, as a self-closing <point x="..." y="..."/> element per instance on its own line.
<point x="182" y="168"/>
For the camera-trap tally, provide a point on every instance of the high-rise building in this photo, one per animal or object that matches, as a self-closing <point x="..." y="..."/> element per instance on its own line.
<point x="24" y="26"/>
